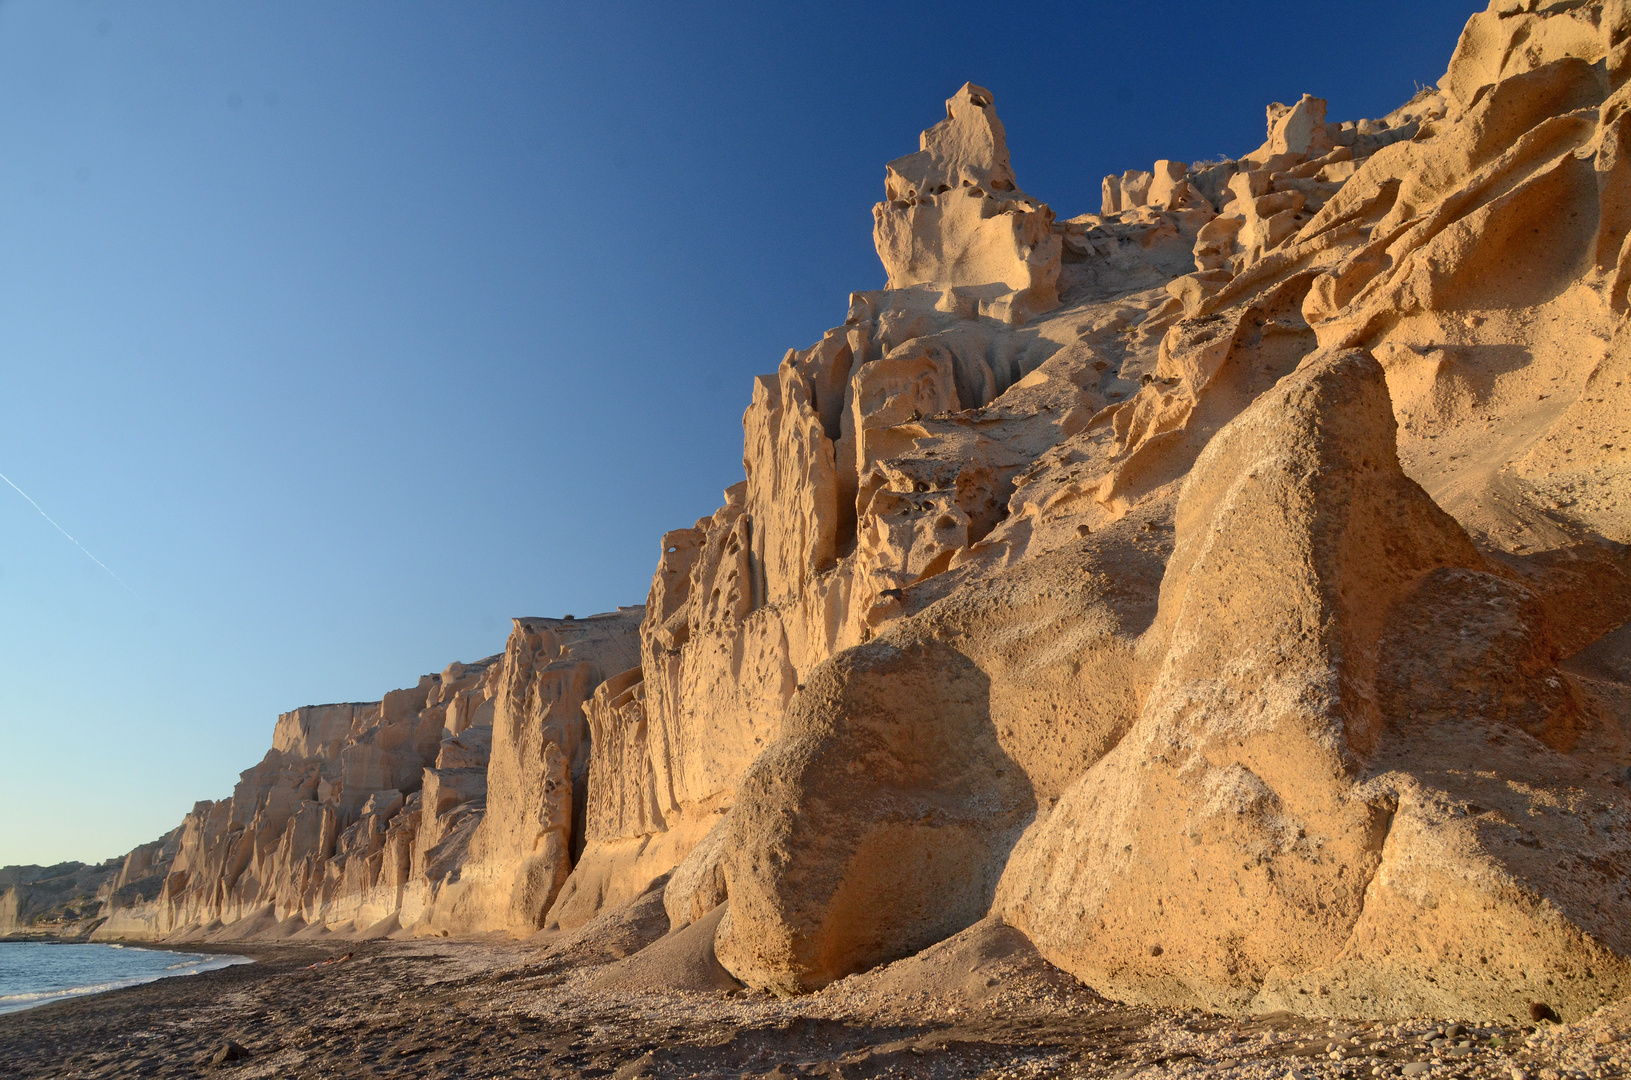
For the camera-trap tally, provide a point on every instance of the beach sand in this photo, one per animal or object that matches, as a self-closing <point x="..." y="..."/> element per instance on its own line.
<point x="980" y="1005"/>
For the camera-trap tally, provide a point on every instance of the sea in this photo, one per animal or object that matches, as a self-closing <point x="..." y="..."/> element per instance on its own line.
<point x="37" y="973"/>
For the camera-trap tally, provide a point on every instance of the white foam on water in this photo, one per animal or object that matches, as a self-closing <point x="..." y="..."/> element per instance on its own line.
<point x="35" y="973"/>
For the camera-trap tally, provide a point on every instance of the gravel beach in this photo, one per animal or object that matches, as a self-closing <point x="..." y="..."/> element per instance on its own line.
<point x="507" y="1009"/>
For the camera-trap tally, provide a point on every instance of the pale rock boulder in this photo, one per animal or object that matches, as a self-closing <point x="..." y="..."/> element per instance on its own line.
<point x="888" y="782"/>
<point x="1248" y="764"/>
<point x="1170" y="185"/>
<point x="920" y="515"/>
<point x="1032" y="671"/>
<point x="468" y="702"/>
<point x="969" y="148"/>
<point x="727" y="623"/>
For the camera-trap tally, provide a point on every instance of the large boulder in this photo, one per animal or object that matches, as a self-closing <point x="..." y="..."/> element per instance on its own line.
<point x="876" y="825"/>
<point x="1280" y="808"/>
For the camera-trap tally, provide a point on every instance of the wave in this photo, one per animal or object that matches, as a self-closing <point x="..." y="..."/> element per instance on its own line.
<point x="192" y="966"/>
<point x="42" y="996"/>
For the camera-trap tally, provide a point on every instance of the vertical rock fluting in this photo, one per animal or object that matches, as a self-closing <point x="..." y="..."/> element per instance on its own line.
<point x="522" y="850"/>
<point x="444" y="808"/>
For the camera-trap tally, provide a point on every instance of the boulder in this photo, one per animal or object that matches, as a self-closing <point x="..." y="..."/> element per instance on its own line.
<point x="875" y="826"/>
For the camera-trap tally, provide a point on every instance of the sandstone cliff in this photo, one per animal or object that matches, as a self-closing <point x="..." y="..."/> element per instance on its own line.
<point x="73" y="899"/>
<point x="1225" y="588"/>
<point x="446" y="806"/>
<point x="1228" y="589"/>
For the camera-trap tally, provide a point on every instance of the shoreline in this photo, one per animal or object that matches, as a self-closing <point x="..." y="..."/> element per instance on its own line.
<point x="437" y="1008"/>
<point x="242" y="948"/>
<point x="107" y="982"/>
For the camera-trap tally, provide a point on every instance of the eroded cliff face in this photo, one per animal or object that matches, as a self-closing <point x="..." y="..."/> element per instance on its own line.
<point x="447" y="806"/>
<point x="1229" y="589"/>
<point x="73" y="899"/>
<point x="522" y="851"/>
<point x="1226" y="588"/>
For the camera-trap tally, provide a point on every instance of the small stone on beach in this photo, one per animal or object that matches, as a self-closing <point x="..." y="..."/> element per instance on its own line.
<point x="228" y="1051"/>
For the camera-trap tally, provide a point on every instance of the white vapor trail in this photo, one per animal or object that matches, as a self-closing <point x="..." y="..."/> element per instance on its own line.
<point x="64" y="532"/>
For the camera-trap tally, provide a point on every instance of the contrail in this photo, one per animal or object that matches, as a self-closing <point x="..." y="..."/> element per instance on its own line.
<point x="64" y="532"/>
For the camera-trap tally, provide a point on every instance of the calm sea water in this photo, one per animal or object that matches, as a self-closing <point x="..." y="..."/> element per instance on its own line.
<point x="33" y="973"/>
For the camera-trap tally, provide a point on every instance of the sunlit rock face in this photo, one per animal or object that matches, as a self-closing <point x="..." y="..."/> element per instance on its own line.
<point x="448" y="807"/>
<point x="1227" y="589"/>
<point x="954" y="219"/>
<point x="1264" y="529"/>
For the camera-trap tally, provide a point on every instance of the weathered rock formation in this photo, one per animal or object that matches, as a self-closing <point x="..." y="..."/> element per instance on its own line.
<point x="1227" y="589"/>
<point x="953" y="218"/>
<point x="72" y="899"/>
<point x="537" y="782"/>
<point x="445" y="806"/>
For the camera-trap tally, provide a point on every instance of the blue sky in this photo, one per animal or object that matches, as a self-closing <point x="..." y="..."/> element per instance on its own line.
<point x="343" y="332"/>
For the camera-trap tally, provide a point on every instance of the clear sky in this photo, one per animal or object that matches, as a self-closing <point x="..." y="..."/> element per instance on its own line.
<point x="340" y="333"/>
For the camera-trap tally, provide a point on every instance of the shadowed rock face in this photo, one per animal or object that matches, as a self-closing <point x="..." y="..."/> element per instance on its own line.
<point x="1228" y="589"/>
